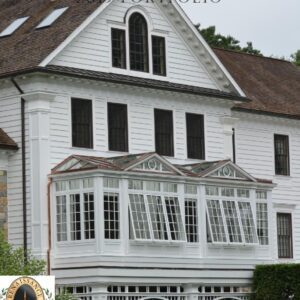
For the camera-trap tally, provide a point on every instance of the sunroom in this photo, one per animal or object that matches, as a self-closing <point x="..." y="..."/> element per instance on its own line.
<point x="119" y="204"/>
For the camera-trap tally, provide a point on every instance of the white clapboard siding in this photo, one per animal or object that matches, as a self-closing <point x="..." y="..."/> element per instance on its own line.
<point x="255" y="153"/>
<point x="91" y="48"/>
<point x="10" y="122"/>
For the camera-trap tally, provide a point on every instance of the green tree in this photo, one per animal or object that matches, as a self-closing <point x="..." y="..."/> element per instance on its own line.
<point x="225" y="42"/>
<point x="296" y="58"/>
<point x="12" y="261"/>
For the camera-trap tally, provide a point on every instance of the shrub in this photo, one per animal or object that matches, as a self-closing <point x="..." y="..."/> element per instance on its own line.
<point x="277" y="282"/>
<point x="12" y="260"/>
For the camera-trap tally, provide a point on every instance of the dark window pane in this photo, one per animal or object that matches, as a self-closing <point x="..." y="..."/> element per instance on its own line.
<point x="284" y="235"/>
<point x="164" y="132"/>
<point x="138" y="43"/>
<point x="82" y="123"/>
<point x="118" y="46"/>
<point x="117" y="127"/>
<point x="282" y="161"/>
<point x="195" y="136"/>
<point x="159" y="55"/>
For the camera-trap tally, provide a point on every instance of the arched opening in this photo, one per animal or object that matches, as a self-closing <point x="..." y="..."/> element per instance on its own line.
<point x="138" y="43"/>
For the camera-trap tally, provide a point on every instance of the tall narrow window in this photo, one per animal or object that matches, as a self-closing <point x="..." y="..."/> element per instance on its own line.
<point x="262" y="223"/>
<point x="282" y="161"/>
<point x="75" y="223"/>
<point x="164" y="132"/>
<point x="191" y="220"/>
<point x="195" y="136"/>
<point x="159" y="55"/>
<point x="111" y="208"/>
<point x="89" y="216"/>
<point x="138" y="43"/>
<point x="82" y="123"/>
<point x="118" y="46"/>
<point x="61" y="218"/>
<point x="284" y="235"/>
<point x="117" y="127"/>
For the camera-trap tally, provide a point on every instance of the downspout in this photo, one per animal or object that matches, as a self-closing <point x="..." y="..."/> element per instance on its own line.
<point x="23" y="149"/>
<point x="49" y="226"/>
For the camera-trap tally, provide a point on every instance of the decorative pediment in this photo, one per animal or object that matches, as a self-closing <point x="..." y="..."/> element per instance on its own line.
<point x="155" y="163"/>
<point x="229" y="170"/>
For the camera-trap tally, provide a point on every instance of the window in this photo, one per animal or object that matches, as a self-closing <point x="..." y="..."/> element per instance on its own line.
<point x="118" y="46"/>
<point x="117" y="127"/>
<point x="284" y="235"/>
<point x="75" y="213"/>
<point x="155" y="212"/>
<point x="52" y="17"/>
<point x="13" y="26"/>
<point x="230" y="218"/>
<point x="262" y="222"/>
<point x="195" y="136"/>
<point x="111" y="209"/>
<point x="159" y="55"/>
<point x="282" y="161"/>
<point x="164" y="132"/>
<point x="138" y="43"/>
<point x="82" y="123"/>
<point x="191" y="220"/>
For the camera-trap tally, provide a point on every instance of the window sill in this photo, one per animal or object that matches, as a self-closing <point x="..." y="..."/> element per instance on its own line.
<point x="283" y="177"/>
<point x="157" y="243"/>
<point x="231" y="246"/>
<point x="82" y="149"/>
<point x="75" y="243"/>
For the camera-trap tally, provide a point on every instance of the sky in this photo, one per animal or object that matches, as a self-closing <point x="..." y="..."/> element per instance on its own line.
<point x="272" y="25"/>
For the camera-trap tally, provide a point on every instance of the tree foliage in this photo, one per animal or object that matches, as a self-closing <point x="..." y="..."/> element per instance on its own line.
<point x="296" y="58"/>
<point x="277" y="282"/>
<point x="12" y="260"/>
<point x="225" y="42"/>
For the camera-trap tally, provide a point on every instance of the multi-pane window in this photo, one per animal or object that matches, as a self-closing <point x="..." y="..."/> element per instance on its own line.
<point x="262" y="218"/>
<point x="195" y="136"/>
<point x="164" y="143"/>
<point x="82" y="123"/>
<point x="111" y="208"/>
<point x="118" y="46"/>
<point x="117" y="127"/>
<point x="159" y="55"/>
<point x="191" y="213"/>
<point x="78" y="292"/>
<point x="284" y="235"/>
<point x="155" y="212"/>
<point x="75" y="213"/>
<point x="138" y="43"/>
<point x="230" y="216"/>
<point x="282" y="160"/>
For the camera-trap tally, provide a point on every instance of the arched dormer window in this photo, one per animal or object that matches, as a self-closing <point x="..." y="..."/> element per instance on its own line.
<point x="138" y="43"/>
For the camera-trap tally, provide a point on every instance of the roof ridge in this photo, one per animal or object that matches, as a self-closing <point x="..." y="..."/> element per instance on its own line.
<point x="250" y="54"/>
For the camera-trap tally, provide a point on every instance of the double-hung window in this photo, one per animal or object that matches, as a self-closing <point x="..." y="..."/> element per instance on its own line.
<point x="191" y="213"/>
<point x="155" y="212"/>
<point x="118" y="46"/>
<point x="159" y="55"/>
<point x="111" y="208"/>
<point x="164" y="142"/>
<point x="230" y="216"/>
<point x="117" y="127"/>
<point x="284" y="235"/>
<point x="82" y="123"/>
<point x="195" y="136"/>
<point x="282" y="160"/>
<point x="262" y="222"/>
<point x="75" y="212"/>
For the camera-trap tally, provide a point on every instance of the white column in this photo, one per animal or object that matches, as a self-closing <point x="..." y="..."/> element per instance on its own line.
<point x="39" y="145"/>
<point x="192" y="291"/>
<point x="99" y="292"/>
<point x="228" y="125"/>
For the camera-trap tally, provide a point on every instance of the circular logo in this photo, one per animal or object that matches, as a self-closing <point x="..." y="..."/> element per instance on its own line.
<point x="25" y="288"/>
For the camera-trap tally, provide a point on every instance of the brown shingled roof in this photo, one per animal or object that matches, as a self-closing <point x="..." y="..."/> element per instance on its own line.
<point x="27" y="47"/>
<point x="273" y="85"/>
<point x="6" y="142"/>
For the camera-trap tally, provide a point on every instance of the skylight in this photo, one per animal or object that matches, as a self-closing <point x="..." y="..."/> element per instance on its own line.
<point x="13" y="27"/>
<point x="50" y="19"/>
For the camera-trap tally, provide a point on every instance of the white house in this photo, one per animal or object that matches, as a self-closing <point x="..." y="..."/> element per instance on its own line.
<point x="139" y="162"/>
